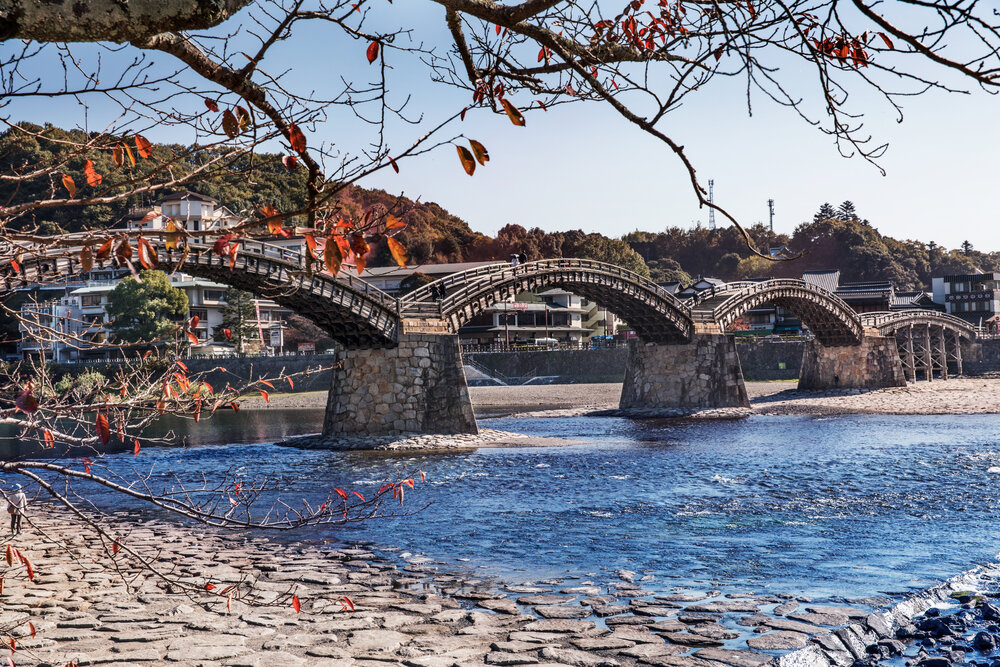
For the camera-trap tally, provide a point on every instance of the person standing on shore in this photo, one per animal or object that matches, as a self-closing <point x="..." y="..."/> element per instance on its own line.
<point x="16" y="507"/>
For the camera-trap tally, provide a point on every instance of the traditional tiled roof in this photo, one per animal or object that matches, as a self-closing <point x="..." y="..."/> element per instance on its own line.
<point x="828" y="279"/>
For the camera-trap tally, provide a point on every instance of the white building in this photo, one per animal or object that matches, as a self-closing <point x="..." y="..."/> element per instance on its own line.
<point x="71" y="327"/>
<point x="188" y="210"/>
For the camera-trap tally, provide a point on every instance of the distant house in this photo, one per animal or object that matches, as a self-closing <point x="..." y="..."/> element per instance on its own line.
<point x="973" y="297"/>
<point x="873" y="296"/>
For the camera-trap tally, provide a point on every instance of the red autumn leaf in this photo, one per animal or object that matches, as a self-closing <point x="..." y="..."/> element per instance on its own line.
<point x="118" y="155"/>
<point x="291" y="385"/>
<point x="49" y="440"/>
<point x="397" y="250"/>
<point x="221" y="243"/>
<point x="209" y="586"/>
<point x="237" y="487"/>
<point x="25" y="402"/>
<point x="296" y="138"/>
<point x="386" y="487"/>
<point x="147" y="255"/>
<point x="267" y="384"/>
<point x="31" y="629"/>
<point x="296" y="605"/>
<point x="135" y="451"/>
<point x="235" y="406"/>
<point x="513" y="113"/>
<point x="290" y="162"/>
<point x="229" y="124"/>
<point x="423" y="475"/>
<point x="208" y="387"/>
<point x="263" y="393"/>
<point x="888" y="42"/>
<point x="408" y="482"/>
<point x="229" y="602"/>
<point x="104" y="250"/>
<point x="350" y="603"/>
<point x="212" y="105"/>
<point x="360" y="248"/>
<point x="359" y="495"/>
<point x="103" y="431"/>
<point x="10" y="556"/>
<point x="93" y="178"/>
<point x="341" y="493"/>
<point x="468" y="162"/>
<point x="372" y="52"/>
<point x="70" y="186"/>
<point x="462" y="115"/>
<point x="143" y="147"/>
<point x="243" y="118"/>
<point x="392" y="163"/>
<point x="191" y="337"/>
<point x="115" y="546"/>
<point x="194" y="322"/>
<point x="228" y="334"/>
<point x="128" y="152"/>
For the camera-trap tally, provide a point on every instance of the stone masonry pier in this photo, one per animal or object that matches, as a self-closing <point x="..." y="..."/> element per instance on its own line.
<point x="701" y="375"/>
<point x="418" y="386"/>
<point x="874" y="364"/>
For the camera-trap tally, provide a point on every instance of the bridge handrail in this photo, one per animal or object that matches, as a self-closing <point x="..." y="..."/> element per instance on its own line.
<point x="751" y="286"/>
<point x="882" y="318"/>
<point x="476" y="279"/>
<point x="426" y="293"/>
<point x="295" y="260"/>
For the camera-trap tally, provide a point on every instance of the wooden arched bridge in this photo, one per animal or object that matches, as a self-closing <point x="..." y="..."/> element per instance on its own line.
<point x="401" y="371"/>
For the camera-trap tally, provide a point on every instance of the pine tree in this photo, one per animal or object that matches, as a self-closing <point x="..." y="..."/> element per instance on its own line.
<point x="966" y="247"/>
<point x="847" y="211"/>
<point x="240" y="318"/>
<point x="826" y="212"/>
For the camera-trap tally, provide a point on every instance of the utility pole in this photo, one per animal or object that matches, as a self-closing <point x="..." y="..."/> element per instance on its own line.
<point x="770" y="208"/>
<point x="711" y="200"/>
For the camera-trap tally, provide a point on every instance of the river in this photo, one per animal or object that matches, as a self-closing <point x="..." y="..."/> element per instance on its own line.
<point x="829" y="508"/>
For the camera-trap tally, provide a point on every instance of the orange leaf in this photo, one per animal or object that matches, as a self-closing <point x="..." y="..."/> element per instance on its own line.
<point x="192" y="338"/>
<point x="482" y="156"/>
<point x="87" y="259"/>
<point x="332" y="256"/>
<point x="468" y="162"/>
<point x="296" y="605"/>
<point x="103" y="430"/>
<point x="291" y="385"/>
<point x="296" y="138"/>
<point x="69" y="185"/>
<point x="423" y="475"/>
<point x="143" y="147"/>
<point x="104" y="251"/>
<point x="228" y="334"/>
<point x="229" y="602"/>
<point x="341" y="493"/>
<point x="372" y="52"/>
<point x="360" y="249"/>
<point x="10" y="556"/>
<point x="311" y="245"/>
<point x="263" y="393"/>
<point x="244" y="118"/>
<point x="194" y="322"/>
<point x="235" y="406"/>
<point x="135" y="451"/>
<point x="392" y="222"/>
<point x="885" y="38"/>
<point x="212" y="105"/>
<point x="128" y="152"/>
<point x="397" y="250"/>
<point x="118" y="155"/>
<point x="209" y="586"/>
<point x="359" y="495"/>
<point x="31" y="628"/>
<point x="115" y="546"/>
<point x="266" y="383"/>
<point x="392" y="163"/>
<point x="290" y="162"/>
<point x="350" y="603"/>
<point x="49" y="440"/>
<point x="513" y="113"/>
<point x="93" y="178"/>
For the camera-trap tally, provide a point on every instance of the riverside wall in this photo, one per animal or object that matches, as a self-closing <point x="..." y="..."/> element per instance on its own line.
<point x="760" y="360"/>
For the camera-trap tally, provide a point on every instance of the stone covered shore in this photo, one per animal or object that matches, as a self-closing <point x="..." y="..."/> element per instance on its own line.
<point x="408" y="610"/>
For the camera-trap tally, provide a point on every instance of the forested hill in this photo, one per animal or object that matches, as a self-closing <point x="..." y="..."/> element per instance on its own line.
<point x="836" y="238"/>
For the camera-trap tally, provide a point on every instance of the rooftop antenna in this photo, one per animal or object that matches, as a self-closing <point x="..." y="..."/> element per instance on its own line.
<point x="770" y="207"/>
<point x="711" y="200"/>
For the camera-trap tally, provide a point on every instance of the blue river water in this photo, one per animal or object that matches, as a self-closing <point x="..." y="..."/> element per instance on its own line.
<point x="831" y="508"/>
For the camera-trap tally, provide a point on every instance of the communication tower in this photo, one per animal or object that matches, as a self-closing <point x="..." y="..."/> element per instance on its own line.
<point x="770" y="208"/>
<point x="711" y="200"/>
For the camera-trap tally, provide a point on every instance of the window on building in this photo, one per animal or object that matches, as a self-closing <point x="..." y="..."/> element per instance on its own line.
<point x="90" y="300"/>
<point x="214" y="295"/>
<point x="200" y="313"/>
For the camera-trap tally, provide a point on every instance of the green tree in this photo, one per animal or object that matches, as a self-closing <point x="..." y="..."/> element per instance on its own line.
<point x="240" y="318"/>
<point x="667" y="271"/>
<point x="145" y="309"/>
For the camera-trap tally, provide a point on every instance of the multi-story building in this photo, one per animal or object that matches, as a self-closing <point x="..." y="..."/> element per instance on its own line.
<point x="188" y="210"/>
<point x="973" y="297"/>
<point x="80" y="319"/>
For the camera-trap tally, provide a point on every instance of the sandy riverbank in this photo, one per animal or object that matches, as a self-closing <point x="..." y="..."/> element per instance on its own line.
<point x="408" y="610"/>
<point x="957" y="396"/>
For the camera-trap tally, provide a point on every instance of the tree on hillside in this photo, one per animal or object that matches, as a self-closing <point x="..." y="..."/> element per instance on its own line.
<point x="146" y="309"/>
<point x="667" y="271"/>
<point x="825" y="212"/>
<point x="602" y="249"/>
<point x="239" y="318"/>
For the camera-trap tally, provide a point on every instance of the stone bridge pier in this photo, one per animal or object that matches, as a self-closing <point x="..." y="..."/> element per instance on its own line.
<point x="702" y="374"/>
<point x="416" y="387"/>
<point x="874" y="364"/>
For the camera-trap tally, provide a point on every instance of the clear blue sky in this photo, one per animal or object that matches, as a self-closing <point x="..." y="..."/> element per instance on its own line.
<point x="582" y="166"/>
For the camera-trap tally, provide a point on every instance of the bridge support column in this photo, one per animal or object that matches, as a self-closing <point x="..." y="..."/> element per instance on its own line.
<point x="702" y="374"/>
<point x="873" y="364"/>
<point x="416" y="387"/>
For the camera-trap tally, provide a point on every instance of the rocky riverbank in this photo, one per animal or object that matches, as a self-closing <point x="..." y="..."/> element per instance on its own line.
<point x="361" y="606"/>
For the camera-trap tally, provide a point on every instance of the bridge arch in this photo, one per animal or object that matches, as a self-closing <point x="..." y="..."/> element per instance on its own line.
<point x="655" y="314"/>
<point x="829" y="318"/>
<point x="354" y="312"/>
<point x="891" y="323"/>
